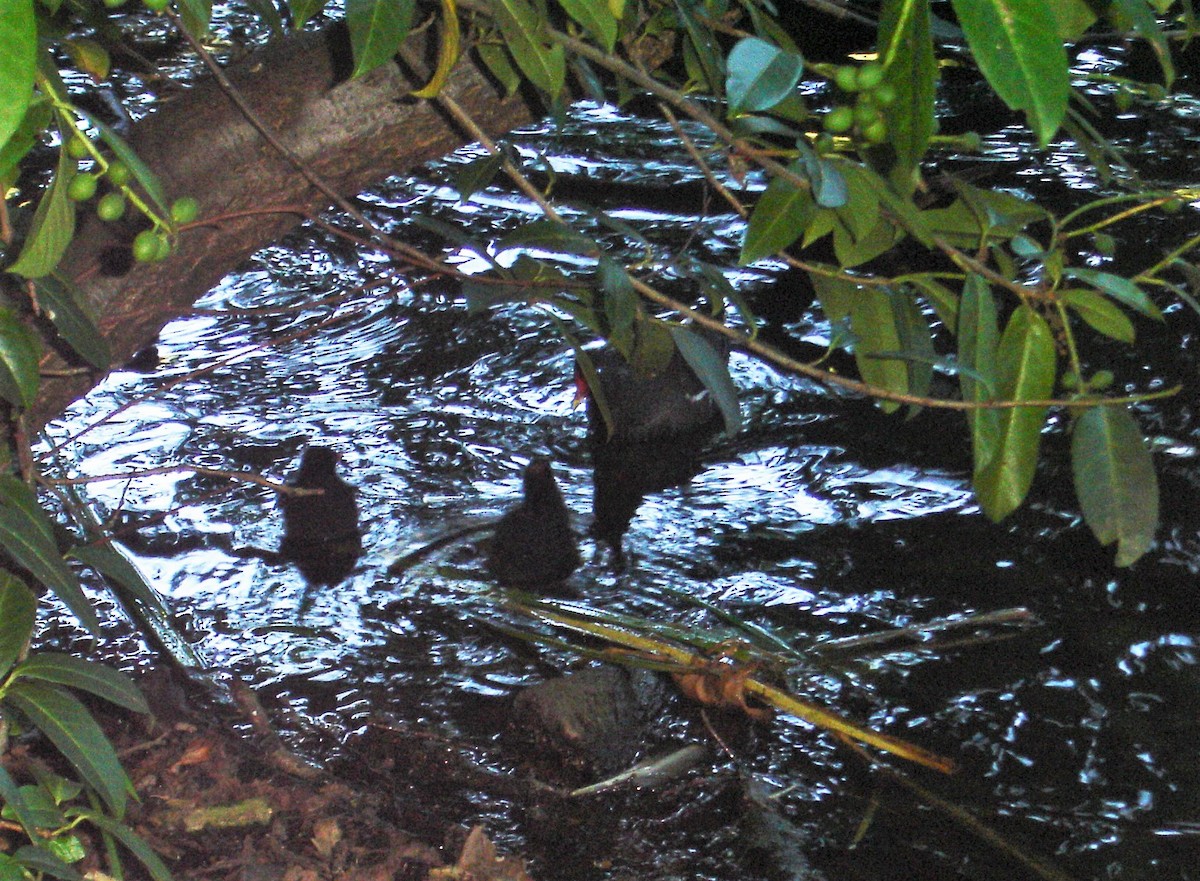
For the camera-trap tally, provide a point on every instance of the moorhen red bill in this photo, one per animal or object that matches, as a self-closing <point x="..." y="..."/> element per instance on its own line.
<point x="534" y="543"/>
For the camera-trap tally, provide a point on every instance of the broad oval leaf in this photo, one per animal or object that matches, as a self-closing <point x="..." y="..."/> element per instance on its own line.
<point x="1016" y="44"/>
<point x="978" y="338"/>
<point x="876" y="325"/>
<point x="779" y="218"/>
<point x="63" y="303"/>
<point x="1117" y="287"/>
<point x="904" y="31"/>
<point x="377" y="28"/>
<point x="595" y="18"/>
<point x="112" y="685"/>
<point x="545" y="65"/>
<point x="548" y="235"/>
<point x="18" y="361"/>
<point x="1115" y="481"/>
<point x="760" y="75"/>
<point x="18" y="611"/>
<point x="71" y="728"/>
<point x="196" y="15"/>
<point x="52" y="227"/>
<point x="1025" y="368"/>
<point x="18" y="63"/>
<point x="712" y="370"/>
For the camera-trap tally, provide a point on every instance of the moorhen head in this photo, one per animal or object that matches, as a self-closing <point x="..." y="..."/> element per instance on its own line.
<point x="320" y="532"/>
<point x="534" y="543"/>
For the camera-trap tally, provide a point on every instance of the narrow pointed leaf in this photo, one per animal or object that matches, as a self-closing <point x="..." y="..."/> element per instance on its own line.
<point x="131" y="841"/>
<point x="18" y="611"/>
<point x="63" y="304"/>
<point x="377" y="28"/>
<point x="978" y="338"/>
<point x="779" y="218"/>
<point x="112" y="685"/>
<point x="449" y="49"/>
<point x="1117" y="287"/>
<point x="545" y="65"/>
<point x="1101" y="315"/>
<point x="19" y="379"/>
<point x="712" y="370"/>
<point x="595" y="18"/>
<point x="1115" y="481"/>
<point x="18" y="63"/>
<point x="71" y="728"/>
<point x="52" y="227"/>
<point x="904" y="31"/>
<point x="874" y="322"/>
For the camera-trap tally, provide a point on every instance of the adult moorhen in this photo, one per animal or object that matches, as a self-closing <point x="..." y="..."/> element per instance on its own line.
<point x="320" y="532"/>
<point x="534" y="544"/>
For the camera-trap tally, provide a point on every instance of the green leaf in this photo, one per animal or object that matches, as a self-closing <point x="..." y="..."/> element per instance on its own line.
<point x="545" y="65"/>
<point x="52" y="227"/>
<point x="62" y="302"/>
<point x="779" y="218"/>
<point x="269" y="13"/>
<point x="702" y="55"/>
<point x="18" y="611"/>
<point x="18" y="63"/>
<point x="141" y="171"/>
<point x="15" y="805"/>
<point x="978" y="339"/>
<point x="1141" y="16"/>
<point x="620" y="302"/>
<point x="131" y="840"/>
<point x="548" y="235"/>
<point x="1016" y="45"/>
<point x="1025" y="366"/>
<point x="1101" y="314"/>
<point x="1117" y="287"/>
<point x="377" y="28"/>
<point x="196" y="15"/>
<point x="69" y="726"/>
<point x="37" y="118"/>
<point x="476" y="174"/>
<point x="595" y="18"/>
<point x="104" y="682"/>
<point x="873" y="318"/>
<point x="860" y="213"/>
<point x="499" y="63"/>
<point x="303" y="11"/>
<point x="904" y="31"/>
<point x="110" y="563"/>
<point x="712" y="370"/>
<point x="943" y="300"/>
<point x="760" y="75"/>
<point x="18" y="360"/>
<point x="916" y="346"/>
<point x="26" y="534"/>
<point x="1115" y="481"/>
<point x="40" y="859"/>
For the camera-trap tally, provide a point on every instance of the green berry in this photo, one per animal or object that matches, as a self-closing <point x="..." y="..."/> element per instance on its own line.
<point x="839" y="120"/>
<point x="185" y="210"/>
<point x="113" y="4"/>
<point x="870" y="75"/>
<point x="82" y="187"/>
<point x="885" y="95"/>
<point x="875" y="133"/>
<point x="145" y="246"/>
<point x="155" y="5"/>
<point x="865" y="113"/>
<point x="1070" y="380"/>
<point x="1101" y="380"/>
<point x="846" y="78"/>
<point x="111" y="206"/>
<point x="77" y="148"/>
<point x="1104" y="243"/>
<point x="118" y="173"/>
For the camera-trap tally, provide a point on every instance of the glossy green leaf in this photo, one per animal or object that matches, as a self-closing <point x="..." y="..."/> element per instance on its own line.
<point x="978" y="339"/>
<point x="860" y="213"/>
<point x="713" y="370"/>
<point x="62" y="303"/>
<point x="18" y="611"/>
<point x="15" y="806"/>
<point x="26" y="534"/>
<point x="196" y="15"/>
<point x="18" y="63"/>
<point x="595" y="18"/>
<point x="1101" y="314"/>
<point x="499" y="64"/>
<point x="943" y="300"/>
<point x="548" y="235"/>
<point x="131" y="841"/>
<point x="829" y="186"/>
<point x="52" y="227"/>
<point x="1073" y="17"/>
<point x="19" y="352"/>
<point x="1115" y="481"/>
<point x="1143" y="19"/>
<point x="303" y="11"/>
<point x="778" y="220"/>
<point x="1117" y="287"/>
<point x="907" y="47"/>
<point x="104" y="682"/>
<point x="620" y="302"/>
<point x="37" y="118"/>
<point x="1016" y="45"/>
<point x="545" y="65"/>
<point x="873" y="318"/>
<point x="377" y="28"/>
<point x="1025" y="370"/>
<point x="71" y="728"/>
<point x="916" y="346"/>
<point x="702" y="55"/>
<point x="760" y="75"/>
<point x="113" y="565"/>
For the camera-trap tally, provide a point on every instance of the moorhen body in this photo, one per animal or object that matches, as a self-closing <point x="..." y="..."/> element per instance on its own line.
<point x="534" y="543"/>
<point x="320" y="532"/>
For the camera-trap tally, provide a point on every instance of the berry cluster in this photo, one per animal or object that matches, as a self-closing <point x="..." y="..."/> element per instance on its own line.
<point x="871" y="96"/>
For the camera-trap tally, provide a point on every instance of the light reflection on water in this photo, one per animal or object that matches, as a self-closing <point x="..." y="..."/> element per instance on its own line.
<point x="822" y="520"/>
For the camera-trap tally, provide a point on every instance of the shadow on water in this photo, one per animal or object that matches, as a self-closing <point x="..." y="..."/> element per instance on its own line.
<point x="822" y="519"/>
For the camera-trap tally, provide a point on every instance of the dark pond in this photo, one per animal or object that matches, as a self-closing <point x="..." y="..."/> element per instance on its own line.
<point x="823" y="519"/>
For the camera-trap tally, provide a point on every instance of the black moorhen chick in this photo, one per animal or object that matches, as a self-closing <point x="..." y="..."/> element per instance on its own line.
<point x="534" y="543"/>
<point x="320" y="532"/>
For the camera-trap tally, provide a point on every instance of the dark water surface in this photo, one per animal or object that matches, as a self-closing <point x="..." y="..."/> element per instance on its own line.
<point x="823" y="519"/>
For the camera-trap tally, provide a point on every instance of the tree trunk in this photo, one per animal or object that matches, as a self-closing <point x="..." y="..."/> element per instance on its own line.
<point x="352" y="133"/>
